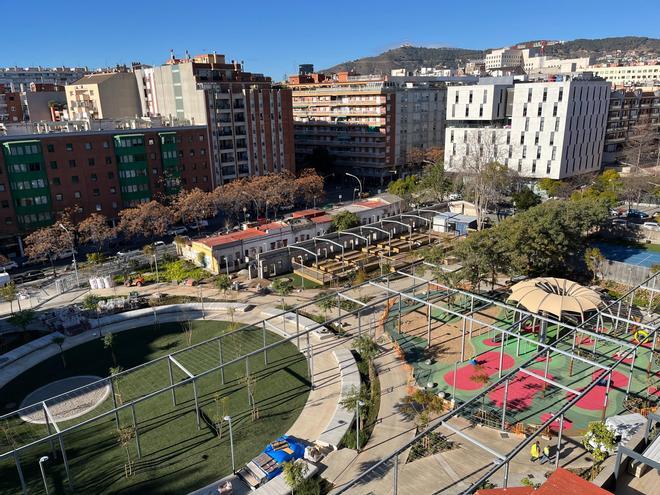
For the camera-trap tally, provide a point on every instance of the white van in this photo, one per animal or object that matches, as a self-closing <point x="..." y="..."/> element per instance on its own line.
<point x="4" y="279"/>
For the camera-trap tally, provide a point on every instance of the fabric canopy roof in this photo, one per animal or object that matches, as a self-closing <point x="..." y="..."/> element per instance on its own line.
<point x="554" y="296"/>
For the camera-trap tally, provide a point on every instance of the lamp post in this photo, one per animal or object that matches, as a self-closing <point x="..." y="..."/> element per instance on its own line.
<point x="73" y="252"/>
<point x="357" y="424"/>
<point x="231" y="444"/>
<point x="244" y="214"/>
<point x="340" y="198"/>
<point x="43" y="460"/>
<point x="357" y="179"/>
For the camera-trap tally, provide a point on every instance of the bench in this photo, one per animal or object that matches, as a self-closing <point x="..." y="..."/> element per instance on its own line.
<point x="343" y="418"/>
<point x="637" y="468"/>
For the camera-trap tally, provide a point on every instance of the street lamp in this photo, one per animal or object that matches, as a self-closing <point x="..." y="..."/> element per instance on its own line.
<point x="340" y="198"/>
<point x="357" y="424"/>
<point x="73" y="252"/>
<point x="43" y="460"/>
<point x="357" y="179"/>
<point x="244" y="213"/>
<point x="231" y="444"/>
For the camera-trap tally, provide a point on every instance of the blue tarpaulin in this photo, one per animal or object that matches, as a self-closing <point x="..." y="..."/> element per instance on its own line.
<point x="281" y="455"/>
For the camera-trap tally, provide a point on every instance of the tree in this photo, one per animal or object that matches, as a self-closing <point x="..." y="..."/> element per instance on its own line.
<point x="147" y="219"/>
<point x="10" y="294"/>
<point x="435" y="181"/>
<point x="115" y="376"/>
<point x="634" y="187"/>
<point x="47" y="242"/>
<point x="58" y="340"/>
<point x="404" y="188"/>
<point x="599" y="440"/>
<point x="223" y="283"/>
<point x="595" y="262"/>
<point x="368" y="350"/>
<point x="309" y="186"/>
<point x="108" y="343"/>
<point x="187" y="328"/>
<point x="422" y="405"/>
<point x="90" y="302"/>
<point x="193" y="206"/>
<point x="642" y="144"/>
<point x="294" y="473"/>
<point x="344" y="220"/>
<point x="250" y="382"/>
<point x="282" y="287"/>
<point x="550" y="186"/>
<point x="325" y="302"/>
<point x="95" y="229"/>
<point x="483" y="254"/>
<point x="150" y="252"/>
<point x="125" y="437"/>
<point x="351" y="402"/>
<point x="22" y="319"/>
<point x="525" y="199"/>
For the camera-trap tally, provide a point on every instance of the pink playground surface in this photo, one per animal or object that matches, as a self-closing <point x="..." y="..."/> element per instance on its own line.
<point x="522" y="390"/>
<point x="489" y="360"/>
<point x="595" y="399"/>
<point x="568" y="424"/>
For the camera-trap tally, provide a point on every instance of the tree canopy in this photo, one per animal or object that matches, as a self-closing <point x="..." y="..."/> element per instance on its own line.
<point x="344" y="221"/>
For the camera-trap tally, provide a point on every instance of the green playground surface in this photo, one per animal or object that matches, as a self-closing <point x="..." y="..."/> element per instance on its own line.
<point x="529" y="400"/>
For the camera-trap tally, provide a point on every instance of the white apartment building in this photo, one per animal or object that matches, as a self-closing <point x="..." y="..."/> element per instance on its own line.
<point x="503" y="57"/>
<point x="547" y="65"/>
<point x="629" y="75"/>
<point x="539" y="129"/>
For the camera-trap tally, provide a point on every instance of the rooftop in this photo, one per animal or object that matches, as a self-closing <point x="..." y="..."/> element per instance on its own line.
<point x="240" y="235"/>
<point x="561" y="482"/>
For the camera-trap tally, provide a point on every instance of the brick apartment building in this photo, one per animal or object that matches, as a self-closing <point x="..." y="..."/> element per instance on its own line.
<point x="368" y="124"/>
<point x="99" y="171"/>
<point x="249" y="118"/>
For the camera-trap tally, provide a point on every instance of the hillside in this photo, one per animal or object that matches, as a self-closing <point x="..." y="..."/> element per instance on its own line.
<point x="409" y="57"/>
<point x="412" y="57"/>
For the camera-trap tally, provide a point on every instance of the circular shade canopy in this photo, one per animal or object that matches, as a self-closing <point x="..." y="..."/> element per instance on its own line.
<point x="554" y="296"/>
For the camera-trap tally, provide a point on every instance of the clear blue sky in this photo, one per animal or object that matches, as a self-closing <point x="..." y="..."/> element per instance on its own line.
<point x="273" y="37"/>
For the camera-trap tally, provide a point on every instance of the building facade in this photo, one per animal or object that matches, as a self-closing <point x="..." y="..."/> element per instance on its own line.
<point x="249" y="118"/>
<point x="20" y="78"/>
<point x="367" y="124"/>
<point x="110" y="95"/>
<point x="627" y="111"/>
<point x="539" y="129"/>
<point x="94" y="172"/>
<point x="629" y="75"/>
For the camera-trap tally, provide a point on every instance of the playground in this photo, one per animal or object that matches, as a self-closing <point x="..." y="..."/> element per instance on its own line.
<point x="445" y="362"/>
<point x="169" y="445"/>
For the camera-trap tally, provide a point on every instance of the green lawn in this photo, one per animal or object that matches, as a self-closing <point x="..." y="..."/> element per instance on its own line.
<point x="176" y="456"/>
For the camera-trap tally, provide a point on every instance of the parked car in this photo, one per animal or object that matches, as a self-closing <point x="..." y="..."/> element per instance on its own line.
<point x="198" y="225"/>
<point x="651" y="226"/>
<point x="454" y="197"/>
<point x="177" y="230"/>
<point x="65" y="254"/>
<point x="637" y="214"/>
<point x="620" y="221"/>
<point x="10" y="265"/>
<point x="158" y="244"/>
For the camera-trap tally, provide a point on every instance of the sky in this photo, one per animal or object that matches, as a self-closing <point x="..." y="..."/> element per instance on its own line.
<point x="273" y="37"/>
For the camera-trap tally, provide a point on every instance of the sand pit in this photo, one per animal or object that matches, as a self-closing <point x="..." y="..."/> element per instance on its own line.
<point x="68" y="406"/>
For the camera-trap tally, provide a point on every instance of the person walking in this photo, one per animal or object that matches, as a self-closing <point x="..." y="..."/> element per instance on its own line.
<point x="546" y="454"/>
<point x="535" y="451"/>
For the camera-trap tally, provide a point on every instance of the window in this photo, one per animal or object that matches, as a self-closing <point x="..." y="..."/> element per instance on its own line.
<point x="561" y="94"/>
<point x="113" y="190"/>
<point x="96" y="192"/>
<point x="76" y="194"/>
<point x="533" y="166"/>
<point x="539" y="111"/>
<point x="529" y="95"/>
<point x="548" y="167"/>
<point x="50" y="148"/>
<point x="75" y="179"/>
<point x="151" y="141"/>
<point x="56" y="181"/>
<point x="98" y="207"/>
<point x="59" y="197"/>
<point x="68" y="146"/>
<point x="93" y="177"/>
<point x="524" y="110"/>
<point x="106" y="145"/>
<point x="545" y="95"/>
<point x="91" y="162"/>
<point x="88" y="146"/>
<point x="72" y="164"/>
<point x="554" y="110"/>
<point x="4" y="203"/>
<point x="108" y="160"/>
<point x="53" y="164"/>
<point x="111" y="175"/>
<point x="154" y="171"/>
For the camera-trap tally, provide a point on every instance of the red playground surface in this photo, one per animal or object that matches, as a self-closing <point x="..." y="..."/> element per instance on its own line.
<point x="490" y="363"/>
<point x="568" y="424"/>
<point x="492" y="343"/>
<point x="522" y="390"/>
<point x="595" y="399"/>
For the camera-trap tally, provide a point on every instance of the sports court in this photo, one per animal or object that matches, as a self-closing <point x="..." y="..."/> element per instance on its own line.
<point x="629" y="254"/>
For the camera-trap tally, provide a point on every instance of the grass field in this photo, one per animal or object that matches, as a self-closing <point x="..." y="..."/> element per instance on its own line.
<point x="176" y="456"/>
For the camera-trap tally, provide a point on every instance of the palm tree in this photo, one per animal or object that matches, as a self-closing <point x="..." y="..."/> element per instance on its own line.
<point x="108" y="343"/>
<point x="368" y="350"/>
<point x="58" y="340"/>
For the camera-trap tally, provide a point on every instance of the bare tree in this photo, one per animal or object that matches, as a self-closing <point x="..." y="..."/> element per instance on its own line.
<point x="187" y="329"/>
<point x="309" y="186"/>
<point x="95" y="229"/>
<point x="642" y="146"/>
<point x="124" y="437"/>
<point x="147" y="219"/>
<point x="250" y="382"/>
<point x="193" y="206"/>
<point x="47" y="242"/>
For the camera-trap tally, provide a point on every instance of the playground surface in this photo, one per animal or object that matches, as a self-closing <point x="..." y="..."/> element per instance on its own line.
<point x="629" y="254"/>
<point x="529" y="399"/>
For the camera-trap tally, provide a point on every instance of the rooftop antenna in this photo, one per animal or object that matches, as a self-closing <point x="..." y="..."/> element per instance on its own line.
<point x="187" y="55"/>
<point x="172" y="54"/>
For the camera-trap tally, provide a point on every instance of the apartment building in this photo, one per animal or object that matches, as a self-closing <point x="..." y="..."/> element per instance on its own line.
<point x="628" y="75"/>
<point x="367" y="124"/>
<point x="34" y="104"/>
<point x="109" y="95"/>
<point x="539" y="129"/>
<point x="20" y="78"/>
<point x="545" y="65"/>
<point x="503" y="57"/>
<point x="627" y="111"/>
<point x="97" y="171"/>
<point x="249" y="118"/>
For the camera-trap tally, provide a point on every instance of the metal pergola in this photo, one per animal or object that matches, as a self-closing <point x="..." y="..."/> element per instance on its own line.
<point x="502" y="461"/>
